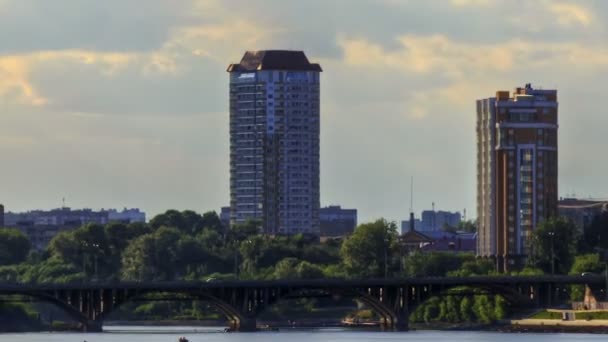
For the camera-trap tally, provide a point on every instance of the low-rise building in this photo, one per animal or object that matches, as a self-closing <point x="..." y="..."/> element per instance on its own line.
<point x="41" y="226"/>
<point x="580" y="211"/>
<point x="336" y="221"/>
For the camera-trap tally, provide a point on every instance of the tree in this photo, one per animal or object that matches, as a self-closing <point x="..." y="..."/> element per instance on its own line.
<point x="595" y="235"/>
<point x="306" y="270"/>
<point x="368" y="251"/>
<point x="554" y="244"/>
<point x="475" y="267"/>
<point x="14" y="246"/>
<point x="469" y="226"/>
<point x="586" y="263"/>
<point x="435" y="264"/>
<point x="286" y="269"/>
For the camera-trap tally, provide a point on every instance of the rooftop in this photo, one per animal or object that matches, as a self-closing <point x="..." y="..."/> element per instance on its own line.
<point x="274" y="60"/>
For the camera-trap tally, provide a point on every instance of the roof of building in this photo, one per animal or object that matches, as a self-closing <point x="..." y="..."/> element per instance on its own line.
<point x="414" y="236"/>
<point x="452" y="244"/>
<point x="274" y="60"/>
<point x="574" y="203"/>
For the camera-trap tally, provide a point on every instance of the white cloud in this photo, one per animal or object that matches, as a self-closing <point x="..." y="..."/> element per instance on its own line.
<point x="569" y="14"/>
<point x="471" y="3"/>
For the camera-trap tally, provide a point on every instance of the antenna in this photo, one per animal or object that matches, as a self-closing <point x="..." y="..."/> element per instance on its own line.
<point x="63" y="202"/>
<point x="412" y="219"/>
<point x="412" y="194"/>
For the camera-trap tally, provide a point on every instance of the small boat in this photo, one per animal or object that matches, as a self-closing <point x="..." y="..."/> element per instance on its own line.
<point x="183" y="339"/>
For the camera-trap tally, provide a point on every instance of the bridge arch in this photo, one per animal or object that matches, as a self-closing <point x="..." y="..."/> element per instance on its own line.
<point x="70" y="310"/>
<point x="234" y="316"/>
<point x="389" y="317"/>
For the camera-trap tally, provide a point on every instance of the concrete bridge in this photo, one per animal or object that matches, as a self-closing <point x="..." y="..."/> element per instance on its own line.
<point x="242" y="301"/>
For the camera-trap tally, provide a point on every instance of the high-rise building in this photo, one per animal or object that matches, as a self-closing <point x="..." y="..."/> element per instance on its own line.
<point x="516" y="171"/>
<point x="437" y="220"/>
<point x="274" y="141"/>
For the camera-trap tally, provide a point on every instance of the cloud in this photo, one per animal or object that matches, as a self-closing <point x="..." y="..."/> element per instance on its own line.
<point x="474" y="3"/>
<point x="570" y="14"/>
<point x="438" y="53"/>
<point x="14" y="84"/>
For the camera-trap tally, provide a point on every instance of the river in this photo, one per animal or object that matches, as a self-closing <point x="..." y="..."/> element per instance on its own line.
<point x="197" y="334"/>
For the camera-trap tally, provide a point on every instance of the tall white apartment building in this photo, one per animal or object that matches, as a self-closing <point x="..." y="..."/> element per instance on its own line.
<point x="274" y="141"/>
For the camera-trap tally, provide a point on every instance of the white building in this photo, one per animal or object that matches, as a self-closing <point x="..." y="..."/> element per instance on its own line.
<point x="274" y="141"/>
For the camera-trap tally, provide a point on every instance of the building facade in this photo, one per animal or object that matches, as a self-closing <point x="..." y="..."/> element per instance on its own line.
<point x="274" y="141"/>
<point x="69" y="217"/>
<point x="336" y="221"/>
<point x="433" y="221"/>
<point x="41" y="226"/>
<point x="516" y="170"/>
<point x="581" y="211"/>
<point x="405" y="225"/>
<point x="225" y="217"/>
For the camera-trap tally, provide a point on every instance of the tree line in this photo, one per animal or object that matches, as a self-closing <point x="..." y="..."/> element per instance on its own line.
<point x="189" y="246"/>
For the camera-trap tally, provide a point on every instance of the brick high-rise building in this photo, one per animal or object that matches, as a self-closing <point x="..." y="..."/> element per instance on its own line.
<point x="516" y="171"/>
<point x="274" y="141"/>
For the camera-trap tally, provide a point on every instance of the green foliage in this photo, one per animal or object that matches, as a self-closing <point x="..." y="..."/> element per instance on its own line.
<point x="14" y="246"/>
<point x="365" y="253"/>
<point x="461" y="309"/>
<point x="469" y="226"/>
<point x="596" y="234"/>
<point x="477" y="267"/>
<point x="586" y="263"/>
<point x="18" y="317"/>
<point x="554" y="242"/>
<point x="528" y="271"/>
<point x="435" y="264"/>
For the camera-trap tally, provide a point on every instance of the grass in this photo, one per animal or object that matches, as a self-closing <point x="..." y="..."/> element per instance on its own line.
<point x="587" y="316"/>
<point x="582" y="316"/>
<point x="547" y="315"/>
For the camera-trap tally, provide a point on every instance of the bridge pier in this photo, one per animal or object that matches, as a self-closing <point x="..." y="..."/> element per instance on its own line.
<point x="402" y="325"/>
<point x="244" y="325"/>
<point x="92" y="327"/>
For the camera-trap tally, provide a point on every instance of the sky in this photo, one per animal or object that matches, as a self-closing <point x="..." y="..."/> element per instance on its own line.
<point x="124" y="103"/>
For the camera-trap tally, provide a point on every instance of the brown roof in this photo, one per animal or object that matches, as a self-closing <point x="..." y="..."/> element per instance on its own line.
<point x="274" y="60"/>
<point x="414" y="236"/>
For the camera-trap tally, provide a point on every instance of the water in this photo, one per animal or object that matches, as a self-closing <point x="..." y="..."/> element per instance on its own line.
<point x="198" y="334"/>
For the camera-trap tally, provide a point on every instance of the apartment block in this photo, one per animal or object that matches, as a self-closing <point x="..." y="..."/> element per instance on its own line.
<point x="516" y="171"/>
<point x="274" y="141"/>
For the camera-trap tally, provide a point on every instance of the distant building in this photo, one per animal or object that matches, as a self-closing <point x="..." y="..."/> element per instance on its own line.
<point x="41" y="235"/>
<point x="580" y="211"/>
<point x="126" y="215"/>
<point x="433" y="221"/>
<point x="336" y="221"/>
<point x="411" y="239"/>
<point x="274" y="141"/>
<point x="446" y="241"/>
<point x="41" y="226"/>
<point x="405" y="225"/>
<point x="516" y="171"/>
<point x="1" y="216"/>
<point x="225" y="217"/>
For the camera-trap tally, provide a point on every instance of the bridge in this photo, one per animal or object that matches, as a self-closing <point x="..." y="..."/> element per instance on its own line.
<point x="242" y="301"/>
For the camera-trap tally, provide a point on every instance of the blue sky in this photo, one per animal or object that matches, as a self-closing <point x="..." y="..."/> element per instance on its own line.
<point x="120" y="103"/>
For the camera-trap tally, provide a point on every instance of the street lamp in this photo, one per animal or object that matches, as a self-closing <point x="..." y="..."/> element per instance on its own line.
<point x="552" y="235"/>
<point x="386" y="241"/>
<point x="95" y="255"/>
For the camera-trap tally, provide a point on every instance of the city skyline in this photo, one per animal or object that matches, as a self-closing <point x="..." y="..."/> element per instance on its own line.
<point x="142" y="121"/>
